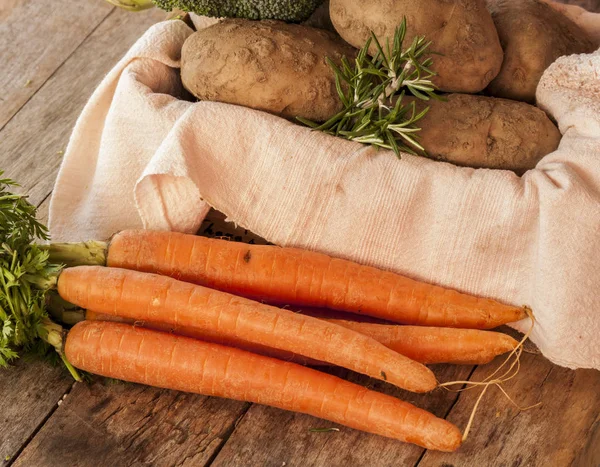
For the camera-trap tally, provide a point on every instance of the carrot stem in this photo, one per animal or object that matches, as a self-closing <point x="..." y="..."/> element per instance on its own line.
<point x="92" y="253"/>
<point x="72" y="370"/>
<point x="63" y="311"/>
<point x="53" y="334"/>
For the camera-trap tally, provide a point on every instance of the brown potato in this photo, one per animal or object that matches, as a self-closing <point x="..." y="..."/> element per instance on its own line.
<point x="533" y="36"/>
<point x="266" y="65"/>
<point x="461" y="30"/>
<point x="486" y="132"/>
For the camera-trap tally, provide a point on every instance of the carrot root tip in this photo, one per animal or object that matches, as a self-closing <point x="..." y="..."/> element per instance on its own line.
<point x="498" y="381"/>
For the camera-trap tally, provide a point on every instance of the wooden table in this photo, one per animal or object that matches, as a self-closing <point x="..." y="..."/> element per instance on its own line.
<point x="53" y="54"/>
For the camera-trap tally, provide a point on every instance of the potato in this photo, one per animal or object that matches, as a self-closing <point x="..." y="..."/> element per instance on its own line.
<point x="486" y="132"/>
<point x="533" y="36"/>
<point x="461" y="30"/>
<point x="266" y="65"/>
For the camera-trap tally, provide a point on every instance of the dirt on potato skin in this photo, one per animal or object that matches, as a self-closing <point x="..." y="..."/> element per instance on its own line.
<point x="486" y="132"/>
<point x="266" y="65"/>
<point x="462" y="31"/>
<point x="533" y="35"/>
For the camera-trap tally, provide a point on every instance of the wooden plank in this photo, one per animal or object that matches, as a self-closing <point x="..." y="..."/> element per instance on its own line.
<point x="271" y="437"/>
<point x="36" y="37"/>
<point x="30" y="392"/>
<point x="31" y="144"/>
<point x="590" y="453"/>
<point x="30" y="148"/>
<point x="564" y="429"/>
<point x="122" y="424"/>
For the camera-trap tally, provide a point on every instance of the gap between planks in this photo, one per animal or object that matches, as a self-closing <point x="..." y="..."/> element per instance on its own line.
<point x="25" y="141"/>
<point x="60" y="65"/>
<point x="228" y="434"/>
<point x="40" y="425"/>
<point x="43" y="70"/>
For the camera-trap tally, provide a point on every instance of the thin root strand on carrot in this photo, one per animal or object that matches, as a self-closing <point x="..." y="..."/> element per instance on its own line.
<point x="498" y="381"/>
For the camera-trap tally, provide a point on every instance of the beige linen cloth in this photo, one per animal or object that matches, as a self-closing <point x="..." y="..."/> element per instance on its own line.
<point x="141" y="157"/>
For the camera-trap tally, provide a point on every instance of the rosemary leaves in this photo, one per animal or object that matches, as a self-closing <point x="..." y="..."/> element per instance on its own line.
<point x="373" y="91"/>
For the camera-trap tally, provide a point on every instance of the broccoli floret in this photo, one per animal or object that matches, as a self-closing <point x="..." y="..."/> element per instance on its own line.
<point x="284" y="10"/>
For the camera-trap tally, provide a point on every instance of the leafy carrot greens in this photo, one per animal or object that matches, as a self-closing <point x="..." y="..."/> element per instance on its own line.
<point x="26" y="274"/>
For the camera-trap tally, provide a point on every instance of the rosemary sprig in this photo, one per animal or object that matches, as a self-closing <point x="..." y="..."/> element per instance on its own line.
<point x="25" y="276"/>
<point x="373" y="91"/>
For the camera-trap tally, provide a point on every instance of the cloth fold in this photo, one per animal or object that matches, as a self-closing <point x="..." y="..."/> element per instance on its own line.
<point x="141" y="156"/>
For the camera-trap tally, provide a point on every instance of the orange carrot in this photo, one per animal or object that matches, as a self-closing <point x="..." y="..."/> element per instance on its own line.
<point x="437" y="345"/>
<point x="163" y="360"/>
<point x="420" y="343"/>
<point x="293" y="276"/>
<point x="208" y="336"/>
<point x="153" y="298"/>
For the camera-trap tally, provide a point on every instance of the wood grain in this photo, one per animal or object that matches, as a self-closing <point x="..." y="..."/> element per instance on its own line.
<point x="30" y="392"/>
<point x="270" y="437"/>
<point x="32" y="143"/>
<point x="563" y="429"/>
<point x="65" y="52"/>
<point x="122" y="424"/>
<point x="30" y="389"/>
<point x="30" y="151"/>
<point x="36" y="37"/>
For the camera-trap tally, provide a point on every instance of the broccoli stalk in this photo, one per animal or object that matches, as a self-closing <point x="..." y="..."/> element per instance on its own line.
<point x="293" y="11"/>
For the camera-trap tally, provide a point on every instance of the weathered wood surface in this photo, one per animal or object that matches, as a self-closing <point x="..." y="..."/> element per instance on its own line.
<point x="563" y="431"/>
<point x="65" y="52"/>
<point x="273" y="438"/>
<point x="36" y="37"/>
<point x="32" y="143"/>
<point x="126" y="424"/>
<point x="29" y="392"/>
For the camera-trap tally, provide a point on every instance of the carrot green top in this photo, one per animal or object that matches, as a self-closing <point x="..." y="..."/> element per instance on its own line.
<point x="26" y="276"/>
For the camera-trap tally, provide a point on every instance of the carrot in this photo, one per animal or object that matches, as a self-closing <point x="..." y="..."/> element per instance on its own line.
<point x="437" y="345"/>
<point x="208" y="336"/>
<point x="293" y="276"/>
<point x="157" y="359"/>
<point x="420" y="343"/>
<point x="153" y="298"/>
